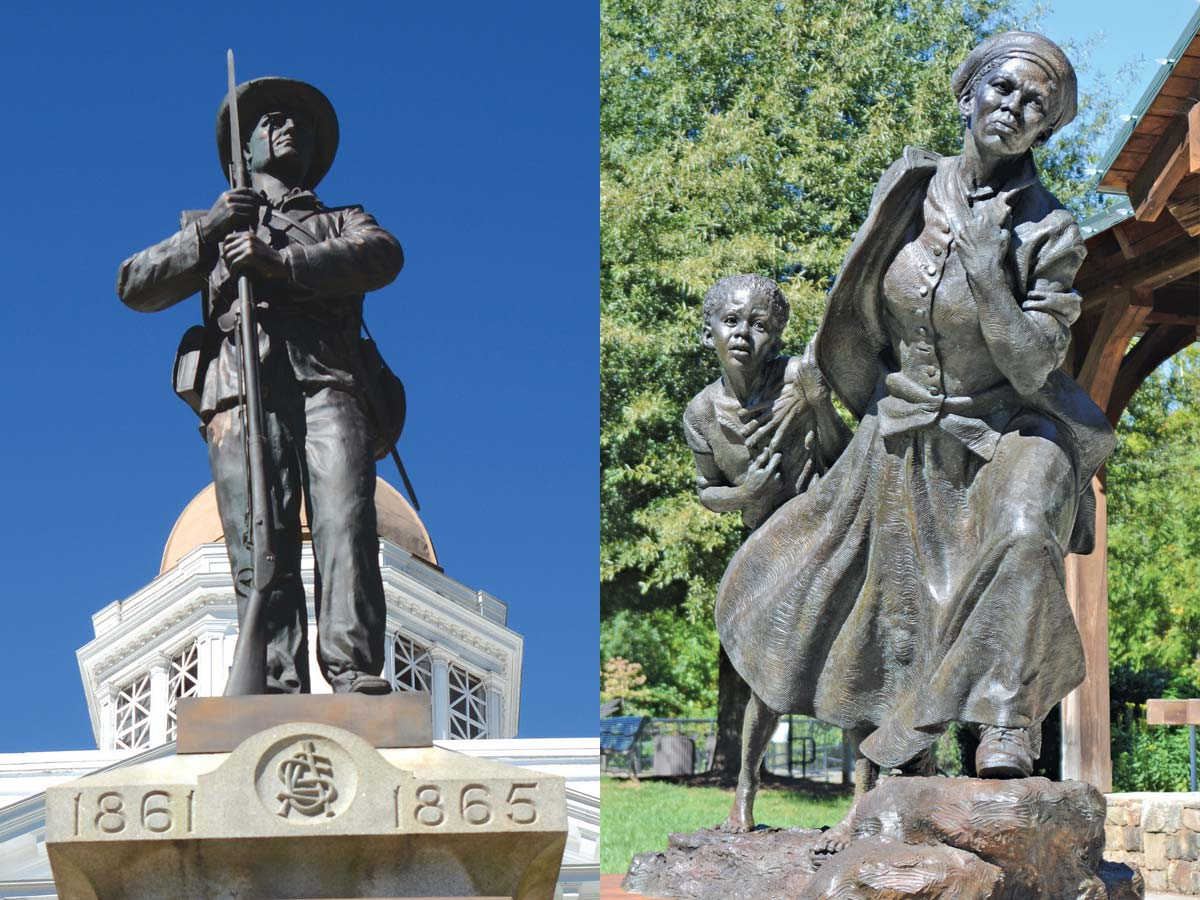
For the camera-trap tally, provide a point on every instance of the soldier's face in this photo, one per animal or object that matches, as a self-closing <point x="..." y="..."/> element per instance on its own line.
<point x="743" y="332"/>
<point x="281" y="144"/>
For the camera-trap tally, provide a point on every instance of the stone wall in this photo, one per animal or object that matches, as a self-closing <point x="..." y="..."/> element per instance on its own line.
<point x="1160" y="833"/>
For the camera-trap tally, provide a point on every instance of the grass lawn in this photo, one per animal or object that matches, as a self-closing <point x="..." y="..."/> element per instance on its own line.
<point x="637" y="816"/>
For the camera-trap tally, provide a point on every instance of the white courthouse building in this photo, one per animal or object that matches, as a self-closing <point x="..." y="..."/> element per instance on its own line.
<point x="174" y="638"/>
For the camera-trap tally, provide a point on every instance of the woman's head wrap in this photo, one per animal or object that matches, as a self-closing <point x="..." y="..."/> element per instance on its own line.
<point x="1022" y="45"/>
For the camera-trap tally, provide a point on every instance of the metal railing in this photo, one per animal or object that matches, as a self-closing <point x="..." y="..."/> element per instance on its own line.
<point x="807" y="748"/>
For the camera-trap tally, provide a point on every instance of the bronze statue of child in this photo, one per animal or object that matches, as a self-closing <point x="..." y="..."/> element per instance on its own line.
<point x="761" y="434"/>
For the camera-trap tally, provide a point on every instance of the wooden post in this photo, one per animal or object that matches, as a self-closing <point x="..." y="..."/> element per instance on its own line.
<point x="1086" y="741"/>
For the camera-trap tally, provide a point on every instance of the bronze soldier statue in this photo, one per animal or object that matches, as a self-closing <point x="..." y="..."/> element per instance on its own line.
<point x="309" y="266"/>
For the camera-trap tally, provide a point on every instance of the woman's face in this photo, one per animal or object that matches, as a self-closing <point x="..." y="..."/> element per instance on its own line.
<point x="1011" y="108"/>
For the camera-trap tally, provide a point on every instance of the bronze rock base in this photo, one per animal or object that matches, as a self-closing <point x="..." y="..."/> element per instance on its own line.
<point x="913" y="838"/>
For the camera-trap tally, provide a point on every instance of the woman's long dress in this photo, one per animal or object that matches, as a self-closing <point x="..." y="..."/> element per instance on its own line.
<point x="921" y="582"/>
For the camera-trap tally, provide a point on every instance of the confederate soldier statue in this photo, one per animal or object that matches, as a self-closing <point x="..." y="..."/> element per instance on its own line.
<point x="304" y="268"/>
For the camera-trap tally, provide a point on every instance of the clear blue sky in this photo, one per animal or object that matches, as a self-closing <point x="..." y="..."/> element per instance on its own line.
<point x="470" y="131"/>
<point x="1117" y="35"/>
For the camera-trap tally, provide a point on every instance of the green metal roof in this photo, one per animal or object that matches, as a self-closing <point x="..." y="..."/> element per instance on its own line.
<point x="1106" y="219"/>
<point x="1160" y="77"/>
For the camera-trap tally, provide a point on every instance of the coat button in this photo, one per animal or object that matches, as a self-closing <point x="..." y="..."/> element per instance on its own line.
<point x="937" y="251"/>
<point x="931" y="371"/>
<point x="945" y="228"/>
<point x="922" y="290"/>
<point x="931" y="270"/>
<point x="933" y="392"/>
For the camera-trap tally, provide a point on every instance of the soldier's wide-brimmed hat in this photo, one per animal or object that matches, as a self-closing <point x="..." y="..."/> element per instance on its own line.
<point x="262" y="95"/>
<point x="1022" y="45"/>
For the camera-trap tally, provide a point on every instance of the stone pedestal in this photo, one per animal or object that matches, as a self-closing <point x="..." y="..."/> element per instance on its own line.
<point x="967" y="838"/>
<point x="304" y="811"/>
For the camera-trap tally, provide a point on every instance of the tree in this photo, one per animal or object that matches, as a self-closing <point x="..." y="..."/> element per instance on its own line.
<point x="742" y="136"/>
<point x="1154" y="524"/>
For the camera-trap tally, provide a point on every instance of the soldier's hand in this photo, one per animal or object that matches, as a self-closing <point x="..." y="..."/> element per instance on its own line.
<point x="245" y="251"/>
<point x="233" y="209"/>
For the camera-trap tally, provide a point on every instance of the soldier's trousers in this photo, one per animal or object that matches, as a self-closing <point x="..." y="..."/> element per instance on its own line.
<point x="319" y="447"/>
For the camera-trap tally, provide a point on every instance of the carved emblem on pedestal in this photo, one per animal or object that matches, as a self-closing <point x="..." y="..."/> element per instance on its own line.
<point x="308" y="785"/>
<point x="306" y="779"/>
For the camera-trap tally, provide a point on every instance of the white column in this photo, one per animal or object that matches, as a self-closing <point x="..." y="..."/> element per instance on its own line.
<point x="389" y="657"/>
<point x="221" y="656"/>
<point x="440" y="658"/>
<point x="494" y="691"/>
<point x="108" y="715"/>
<point x="160" y="668"/>
<point x="210" y="661"/>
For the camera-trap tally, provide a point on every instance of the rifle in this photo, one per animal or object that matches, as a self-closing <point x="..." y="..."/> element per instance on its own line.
<point x="248" y="674"/>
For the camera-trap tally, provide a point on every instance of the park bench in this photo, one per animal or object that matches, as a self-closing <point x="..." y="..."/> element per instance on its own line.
<point x="619" y="736"/>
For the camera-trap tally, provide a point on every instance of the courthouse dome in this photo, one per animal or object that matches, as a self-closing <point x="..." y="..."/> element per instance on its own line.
<point x="199" y="524"/>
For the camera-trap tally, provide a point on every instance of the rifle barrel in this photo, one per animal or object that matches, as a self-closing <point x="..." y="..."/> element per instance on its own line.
<point x="248" y="673"/>
<point x="237" y="178"/>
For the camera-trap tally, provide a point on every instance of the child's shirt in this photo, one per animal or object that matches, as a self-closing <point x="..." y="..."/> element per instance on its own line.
<point x="715" y="422"/>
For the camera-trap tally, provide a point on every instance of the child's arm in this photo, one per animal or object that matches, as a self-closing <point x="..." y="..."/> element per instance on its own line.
<point x="758" y="493"/>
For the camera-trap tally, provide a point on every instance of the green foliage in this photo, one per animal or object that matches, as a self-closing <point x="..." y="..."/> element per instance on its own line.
<point x="678" y="658"/>
<point x="740" y="136"/>
<point x="623" y="680"/>
<point x="1154" y="573"/>
<point x="1148" y="757"/>
<point x="1154" y="523"/>
<point x="638" y="816"/>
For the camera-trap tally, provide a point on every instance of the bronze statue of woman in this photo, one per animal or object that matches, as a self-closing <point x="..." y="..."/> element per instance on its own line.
<point x="921" y="582"/>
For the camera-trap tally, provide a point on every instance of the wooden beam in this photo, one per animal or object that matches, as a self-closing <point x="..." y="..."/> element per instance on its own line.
<point x="1181" y="298"/>
<point x="1184" y="204"/>
<point x="1173" y="712"/>
<point x="1157" y="317"/>
<point x="1122" y="319"/>
<point x="1193" y="118"/>
<point x="1158" y="344"/>
<point x="1163" y="169"/>
<point x="1164" y="265"/>
<point x="1144" y="237"/>
<point x="1122" y="235"/>
<point x="1086" y="739"/>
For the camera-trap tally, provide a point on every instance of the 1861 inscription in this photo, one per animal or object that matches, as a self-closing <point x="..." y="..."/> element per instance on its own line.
<point x="143" y="813"/>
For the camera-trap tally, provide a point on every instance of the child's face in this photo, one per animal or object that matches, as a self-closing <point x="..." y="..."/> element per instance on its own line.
<point x="743" y="332"/>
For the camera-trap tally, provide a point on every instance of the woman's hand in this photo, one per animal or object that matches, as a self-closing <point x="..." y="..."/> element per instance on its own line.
<point x="982" y="240"/>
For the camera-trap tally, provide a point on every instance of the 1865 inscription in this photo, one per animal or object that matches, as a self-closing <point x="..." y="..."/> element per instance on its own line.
<point x="433" y="804"/>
